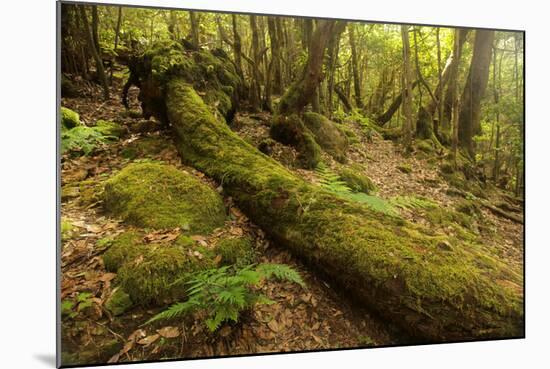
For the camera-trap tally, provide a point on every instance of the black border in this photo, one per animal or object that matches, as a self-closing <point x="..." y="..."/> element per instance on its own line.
<point x="58" y="186"/>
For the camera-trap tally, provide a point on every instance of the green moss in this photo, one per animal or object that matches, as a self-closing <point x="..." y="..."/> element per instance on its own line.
<point x="160" y="275"/>
<point x="108" y="128"/>
<point x="356" y="181"/>
<point x="425" y="146"/>
<point x="350" y="134"/>
<point x="328" y="135"/>
<point x="69" y="118"/>
<point x="126" y="247"/>
<point x="405" y="168"/>
<point x="435" y="294"/>
<point x="236" y="251"/>
<point x="66" y="229"/>
<point x="161" y="196"/>
<point x="149" y="273"/>
<point x="311" y="151"/>
<point x="118" y="302"/>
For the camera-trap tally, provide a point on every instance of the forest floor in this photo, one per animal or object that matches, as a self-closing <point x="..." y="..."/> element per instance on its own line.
<point x="317" y="317"/>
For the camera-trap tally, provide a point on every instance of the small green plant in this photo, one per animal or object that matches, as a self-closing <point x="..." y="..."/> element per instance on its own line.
<point x="330" y="180"/>
<point x="83" y="140"/>
<point x="333" y="183"/>
<point x="223" y="293"/>
<point x="73" y="306"/>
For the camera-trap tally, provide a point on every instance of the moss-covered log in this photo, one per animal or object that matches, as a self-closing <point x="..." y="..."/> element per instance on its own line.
<point x="457" y="292"/>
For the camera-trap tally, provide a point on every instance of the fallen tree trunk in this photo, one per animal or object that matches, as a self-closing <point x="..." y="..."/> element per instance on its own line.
<point x="400" y="270"/>
<point x="502" y="213"/>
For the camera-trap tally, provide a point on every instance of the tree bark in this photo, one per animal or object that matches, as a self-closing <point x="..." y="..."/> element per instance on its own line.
<point x="355" y="66"/>
<point x="407" y="89"/>
<point x="474" y="90"/>
<point x="395" y="269"/>
<point x="195" y="35"/>
<point x="255" y="89"/>
<point x="301" y="92"/>
<point x="91" y="46"/>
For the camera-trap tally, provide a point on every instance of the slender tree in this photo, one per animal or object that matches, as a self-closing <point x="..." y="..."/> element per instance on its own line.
<point x="474" y="90"/>
<point x="407" y="89"/>
<point x="91" y="46"/>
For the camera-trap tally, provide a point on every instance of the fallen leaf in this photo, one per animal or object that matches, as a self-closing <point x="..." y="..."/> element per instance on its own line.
<point x="274" y="326"/>
<point x="169" y="332"/>
<point x="148" y="340"/>
<point x="107" y="277"/>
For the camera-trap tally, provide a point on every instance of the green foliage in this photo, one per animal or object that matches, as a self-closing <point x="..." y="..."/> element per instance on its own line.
<point x="109" y="129"/>
<point x="331" y="181"/>
<point x="72" y="307"/>
<point x="66" y="229"/>
<point x="223" y="293"/>
<point x="334" y="183"/>
<point x="82" y="140"/>
<point x="357" y="181"/>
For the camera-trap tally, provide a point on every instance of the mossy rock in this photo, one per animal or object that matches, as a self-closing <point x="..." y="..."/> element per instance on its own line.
<point x="69" y="118"/>
<point x="119" y="302"/>
<point x="151" y="273"/>
<point x="154" y="195"/>
<point x="126" y="247"/>
<point x="109" y="128"/>
<point x="328" y="135"/>
<point x="236" y="251"/>
<point x="405" y="168"/>
<point x="160" y="275"/>
<point x="356" y="181"/>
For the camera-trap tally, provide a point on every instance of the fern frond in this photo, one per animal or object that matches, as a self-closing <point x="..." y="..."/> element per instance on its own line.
<point x="174" y="311"/>
<point x="281" y="272"/>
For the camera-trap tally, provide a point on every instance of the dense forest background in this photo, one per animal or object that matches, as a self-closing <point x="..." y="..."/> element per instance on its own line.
<point x="365" y="71"/>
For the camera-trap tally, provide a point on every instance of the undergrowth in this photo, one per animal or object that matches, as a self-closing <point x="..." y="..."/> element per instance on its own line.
<point x="334" y="183"/>
<point x="223" y="293"/>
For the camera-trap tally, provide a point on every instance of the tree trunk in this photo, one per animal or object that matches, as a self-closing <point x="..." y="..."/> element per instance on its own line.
<point x="453" y="87"/>
<point x="90" y="40"/>
<point x="255" y="89"/>
<point x="95" y="29"/>
<point x="355" y="66"/>
<point x="195" y="35"/>
<point x="275" y="55"/>
<point x="301" y="92"/>
<point x="118" y="23"/>
<point x="407" y="89"/>
<point x="343" y="98"/>
<point x="385" y="117"/>
<point x="474" y="90"/>
<point x="432" y="288"/>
